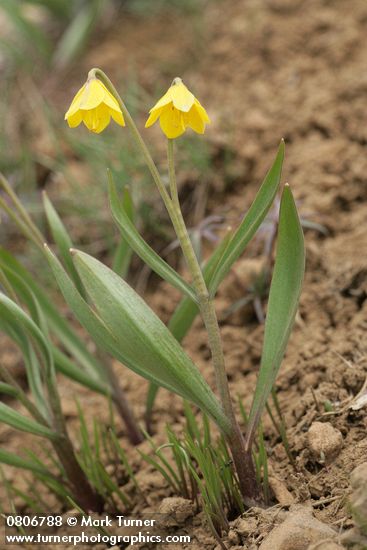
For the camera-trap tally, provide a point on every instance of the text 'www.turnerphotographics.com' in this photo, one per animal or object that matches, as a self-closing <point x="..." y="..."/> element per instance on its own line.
<point x="90" y="529"/>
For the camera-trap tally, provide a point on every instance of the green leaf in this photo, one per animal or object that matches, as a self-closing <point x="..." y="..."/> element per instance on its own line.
<point x="125" y="326"/>
<point x="251" y="222"/>
<point x="11" y="312"/>
<point x="17" y="334"/>
<point x="62" y="239"/>
<point x="16" y="420"/>
<point x="64" y="365"/>
<point x="76" y="34"/>
<point x="57" y="324"/>
<point x="142" y="335"/>
<point x="142" y="249"/>
<point x="282" y="305"/>
<point x="30" y="32"/>
<point x="7" y="389"/>
<point x="12" y="459"/>
<point x="62" y="362"/>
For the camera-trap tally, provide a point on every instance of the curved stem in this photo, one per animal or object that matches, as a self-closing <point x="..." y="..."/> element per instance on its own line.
<point x="242" y="459"/>
<point x="97" y="73"/>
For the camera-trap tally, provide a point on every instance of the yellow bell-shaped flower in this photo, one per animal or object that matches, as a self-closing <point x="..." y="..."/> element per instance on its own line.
<point x="94" y="105"/>
<point x="177" y="110"/>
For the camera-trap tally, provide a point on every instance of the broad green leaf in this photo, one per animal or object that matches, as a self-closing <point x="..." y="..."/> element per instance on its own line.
<point x="16" y="420"/>
<point x="125" y="326"/>
<point x="83" y="312"/>
<point x="142" y="335"/>
<point x="12" y="459"/>
<point x="57" y="324"/>
<point x="62" y="239"/>
<point x="282" y="305"/>
<point x="142" y="249"/>
<point x="251" y="222"/>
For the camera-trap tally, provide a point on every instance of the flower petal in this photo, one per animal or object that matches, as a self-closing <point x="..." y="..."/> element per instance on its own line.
<point x="110" y="100"/>
<point x="194" y="121"/>
<point x="117" y="117"/>
<point x="182" y="98"/>
<point x="75" y="104"/>
<point x="97" y="119"/>
<point x="196" y="118"/>
<point x="154" y="114"/>
<point x="93" y="95"/>
<point x="75" y="119"/>
<point x="172" y="122"/>
<point x="165" y="100"/>
<point x="202" y="112"/>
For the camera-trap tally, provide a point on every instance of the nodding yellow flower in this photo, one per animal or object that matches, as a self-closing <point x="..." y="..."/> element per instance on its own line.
<point x="177" y="110"/>
<point x="94" y="105"/>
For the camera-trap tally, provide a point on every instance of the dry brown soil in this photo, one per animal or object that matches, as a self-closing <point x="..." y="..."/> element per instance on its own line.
<point x="265" y="70"/>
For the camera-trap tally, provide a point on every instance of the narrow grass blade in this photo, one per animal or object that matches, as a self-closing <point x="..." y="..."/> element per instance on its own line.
<point x="64" y="365"/>
<point x="12" y="459"/>
<point x="77" y="33"/>
<point x="31" y="362"/>
<point x="16" y="420"/>
<point x="14" y="314"/>
<point x="282" y="306"/>
<point x="142" y="249"/>
<point x="7" y="389"/>
<point x="27" y="29"/>
<point x="251" y="221"/>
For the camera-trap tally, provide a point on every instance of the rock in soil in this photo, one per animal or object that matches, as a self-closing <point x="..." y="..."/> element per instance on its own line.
<point x="325" y="545"/>
<point x="324" y="441"/>
<point x="358" y="498"/>
<point x="297" y="532"/>
<point x="176" y="510"/>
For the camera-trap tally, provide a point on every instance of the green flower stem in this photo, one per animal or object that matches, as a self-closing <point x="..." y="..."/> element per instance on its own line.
<point x="242" y="459"/>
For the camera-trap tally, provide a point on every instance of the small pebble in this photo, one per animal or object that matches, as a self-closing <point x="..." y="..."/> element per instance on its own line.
<point x="324" y="441"/>
<point x="297" y="532"/>
<point x="176" y="511"/>
<point x="325" y="545"/>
